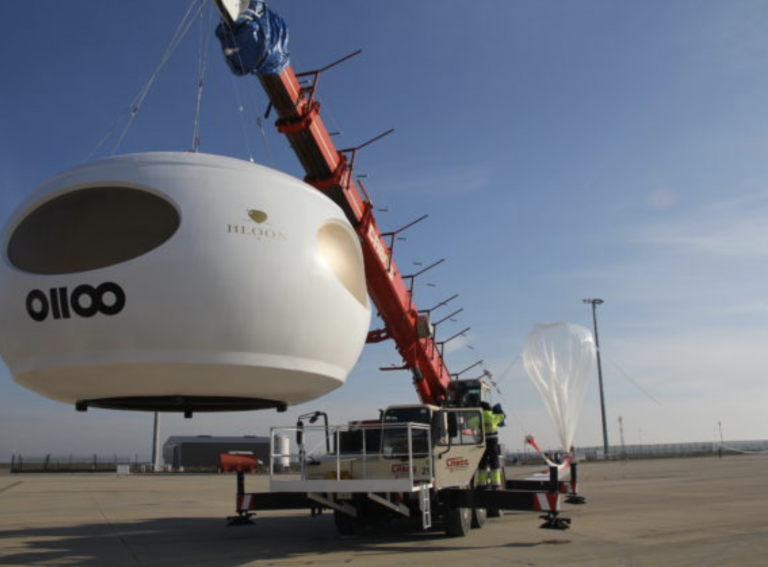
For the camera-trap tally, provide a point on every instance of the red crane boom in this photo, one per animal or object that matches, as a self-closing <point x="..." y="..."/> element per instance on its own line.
<point x="254" y="40"/>
<point x="330" y="171"/>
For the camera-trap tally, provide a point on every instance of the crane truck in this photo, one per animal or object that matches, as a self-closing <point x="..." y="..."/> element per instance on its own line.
<point x="415" y="461"/>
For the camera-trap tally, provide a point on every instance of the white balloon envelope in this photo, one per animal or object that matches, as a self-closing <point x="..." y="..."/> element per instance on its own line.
<point x="180" y="281"/>
<point x="559" y="359"/>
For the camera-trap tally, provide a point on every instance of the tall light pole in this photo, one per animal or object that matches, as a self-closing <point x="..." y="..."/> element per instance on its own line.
<point x="157" y="455"/>
<point x="595" y="303"/>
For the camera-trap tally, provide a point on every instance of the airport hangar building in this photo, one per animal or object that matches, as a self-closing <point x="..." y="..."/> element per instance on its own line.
<point x="202" y="451"/>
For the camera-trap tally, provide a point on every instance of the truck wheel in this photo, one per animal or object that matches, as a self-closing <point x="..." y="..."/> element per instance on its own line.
<point x="345" y="524"/>
<point x="458" y="521"/>
<point x="478" y="517"/>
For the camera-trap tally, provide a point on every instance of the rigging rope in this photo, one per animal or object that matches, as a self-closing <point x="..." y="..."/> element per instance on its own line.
<point x="182" y="29"/>
<point x="628" y="378"/>
<point x="201" y="63"/>
<point x="241" y="110"/>
<point x="265" y="140"/>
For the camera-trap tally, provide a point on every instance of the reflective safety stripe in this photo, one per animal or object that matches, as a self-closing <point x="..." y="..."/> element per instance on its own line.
<point x="245" y="502"/>
<point x="545" y="502"/>
<point x="568" y="487"/>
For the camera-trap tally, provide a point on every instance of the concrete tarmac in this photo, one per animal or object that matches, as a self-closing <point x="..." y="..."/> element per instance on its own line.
<point x="701" y="512"/>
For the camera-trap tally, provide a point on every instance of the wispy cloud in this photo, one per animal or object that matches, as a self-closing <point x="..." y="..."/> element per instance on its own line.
<point x="735" y="228"/>
<point x="685" y="318"/>
<point x="663" y="198"/>
<point x="707" y="261"/>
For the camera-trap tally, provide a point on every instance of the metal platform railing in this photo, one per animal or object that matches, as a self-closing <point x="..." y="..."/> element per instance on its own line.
<point x="351" y="458"/>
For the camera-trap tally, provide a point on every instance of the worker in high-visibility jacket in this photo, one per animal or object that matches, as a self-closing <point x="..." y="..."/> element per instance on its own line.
<point x="493" y="418"/>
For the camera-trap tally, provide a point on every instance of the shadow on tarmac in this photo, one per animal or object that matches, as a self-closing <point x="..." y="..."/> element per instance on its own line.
<point x="209" y="541"/>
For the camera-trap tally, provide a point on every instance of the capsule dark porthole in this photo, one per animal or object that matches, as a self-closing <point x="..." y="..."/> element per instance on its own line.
<point x="92" y="228"/>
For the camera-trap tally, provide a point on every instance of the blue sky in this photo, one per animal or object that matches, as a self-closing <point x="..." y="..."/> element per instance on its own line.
<point x="563" y="150"/>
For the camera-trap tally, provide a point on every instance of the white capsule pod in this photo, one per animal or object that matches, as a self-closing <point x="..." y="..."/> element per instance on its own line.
<point x="180" y="281"/>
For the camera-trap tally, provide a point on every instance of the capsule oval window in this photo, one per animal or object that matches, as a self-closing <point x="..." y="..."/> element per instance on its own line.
<point x="91" y="228"/>
<point x="340" y="249"/>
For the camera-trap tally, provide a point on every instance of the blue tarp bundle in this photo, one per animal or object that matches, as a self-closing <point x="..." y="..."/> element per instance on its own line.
<point x="256" y="43"/>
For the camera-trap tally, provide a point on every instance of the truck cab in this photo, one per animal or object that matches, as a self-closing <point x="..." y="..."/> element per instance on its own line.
<point x="451" y="445"/>
<point x="469" y="393"/>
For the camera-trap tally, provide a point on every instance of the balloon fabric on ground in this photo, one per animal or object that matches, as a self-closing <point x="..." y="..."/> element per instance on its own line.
<point x="559" y="359"/>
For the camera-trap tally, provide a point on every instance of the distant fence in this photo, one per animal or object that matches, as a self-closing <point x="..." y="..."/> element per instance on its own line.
<point x="75" y="463"/>
<point x="657" y="451"/>
<point x="115" y="463"/>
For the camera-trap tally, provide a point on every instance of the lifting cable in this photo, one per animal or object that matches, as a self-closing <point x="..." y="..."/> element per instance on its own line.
<point x="205" y="39"/>
<point x="192" y="13"/>
<point x="265" y="140"/>
<point x="253" y="103"/>
<point x="241" y="110"/>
